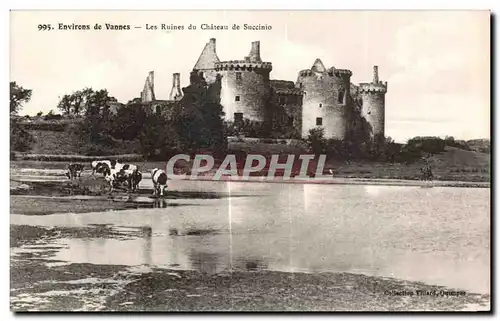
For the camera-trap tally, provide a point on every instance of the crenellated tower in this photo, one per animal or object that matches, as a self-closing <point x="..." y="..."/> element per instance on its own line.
<point x="245" y="86"/>
<point x="325" y="99"/>
<point x="373" y="103"/>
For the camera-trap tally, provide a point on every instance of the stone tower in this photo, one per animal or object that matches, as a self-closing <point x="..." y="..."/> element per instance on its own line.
<point x="176" y="93"/>
<point x="325" y="99"/>
<point x="245" y="86"/>
<point x="373" y="103"/>
<point x="148" y="93"/>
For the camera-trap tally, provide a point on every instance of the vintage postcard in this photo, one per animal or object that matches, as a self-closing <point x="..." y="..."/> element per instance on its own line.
<point x="250" y="161"/>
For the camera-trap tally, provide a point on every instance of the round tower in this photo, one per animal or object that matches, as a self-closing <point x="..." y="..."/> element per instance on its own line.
<point x="245" y="86"/>
<point x="325" y="99"/>
<point x="373" y="104"/>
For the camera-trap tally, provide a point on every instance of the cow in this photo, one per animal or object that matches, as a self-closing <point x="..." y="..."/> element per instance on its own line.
<point x="159" y="178"/>
<point x="134" y="180"/>
<point x="74" y="170"/>
<point x="122" y="174"/>
<point x="98" y="166"/>
<point x="126" y="167"/>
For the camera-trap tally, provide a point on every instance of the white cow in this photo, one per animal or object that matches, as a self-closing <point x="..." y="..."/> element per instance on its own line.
<point x="159" y="177"/>
<point x="126" y="167"/>
<point x="122" y="173"/>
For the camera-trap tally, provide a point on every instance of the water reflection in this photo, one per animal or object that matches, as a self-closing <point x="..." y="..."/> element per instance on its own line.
<point x="204" y="262"/>
<point x="438" y="235"/>
<point x="160" y="203"/>
<point x="148" y="243"/>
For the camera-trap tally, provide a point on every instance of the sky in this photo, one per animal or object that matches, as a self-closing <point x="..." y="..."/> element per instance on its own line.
<point x="436" y="63"/>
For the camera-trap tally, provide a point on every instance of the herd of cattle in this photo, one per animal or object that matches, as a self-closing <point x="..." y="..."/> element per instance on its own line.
<point x="118" y="174"/>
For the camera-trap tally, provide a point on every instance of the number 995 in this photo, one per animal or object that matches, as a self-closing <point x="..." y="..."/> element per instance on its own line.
<point x="44" y="27"/>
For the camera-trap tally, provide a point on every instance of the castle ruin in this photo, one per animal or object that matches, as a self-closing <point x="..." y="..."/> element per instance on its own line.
<point x="319" y="98"/>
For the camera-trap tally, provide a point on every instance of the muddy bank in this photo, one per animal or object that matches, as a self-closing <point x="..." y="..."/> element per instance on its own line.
<point x="90" y="287"/>
<point x="40" y="283"/>
<point x="26" y="235"/>
<point x="46" y="197"/>
<point x="278" y="291"/>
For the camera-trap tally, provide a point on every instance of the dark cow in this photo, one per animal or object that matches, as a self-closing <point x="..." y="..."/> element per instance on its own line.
<point x="98" y="166"/>
<point x="159" y="177"/>
<point x="133" y="178"/>
<point x="74" y="171"/>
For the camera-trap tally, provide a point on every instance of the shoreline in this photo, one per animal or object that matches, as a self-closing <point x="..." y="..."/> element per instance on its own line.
<point x="38" y="176"/>
<point x="346" y="181"/>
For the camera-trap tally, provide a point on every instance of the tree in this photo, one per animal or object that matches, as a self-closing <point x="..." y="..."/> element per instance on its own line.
<point x="66" y="105"/>
<point x="316" y="141"/>
<point x="158" y="138"/>
<point x="198" y="117"/>
<point x="94" y="131"/>
<point x="128" y="122"/>
<point x="18" y="97"/>
<point x="79" y="101"/>
<point x="20" y="138"/>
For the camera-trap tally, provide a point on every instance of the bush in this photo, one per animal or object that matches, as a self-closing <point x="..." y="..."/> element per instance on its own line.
<point x="48" y="126"/>
<point x="128" y="122"/>
<point x="430" y="145"/>
<point x="20" y="138"/>
<point x="51" y="116"/>
<point x="450" y="141"/>
<point x="316" y="142"/>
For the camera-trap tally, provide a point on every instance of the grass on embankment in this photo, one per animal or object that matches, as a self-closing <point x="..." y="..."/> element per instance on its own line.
<point x="452" y="165"/>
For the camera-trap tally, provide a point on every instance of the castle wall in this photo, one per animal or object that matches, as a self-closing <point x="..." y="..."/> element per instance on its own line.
<point x="288" y="110"/>
<point x="247" y="93"/>
<point x="287" y="104"/>
<point x="210" y="75"/>
<point x="320" y="100"/>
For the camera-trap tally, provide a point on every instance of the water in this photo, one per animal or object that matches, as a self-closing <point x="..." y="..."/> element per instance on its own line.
<point x="434" y="235"/>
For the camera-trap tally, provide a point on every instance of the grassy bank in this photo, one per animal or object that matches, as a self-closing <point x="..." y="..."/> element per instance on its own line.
<point x="50" y="158"/>
<point x="453" y="165"/>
